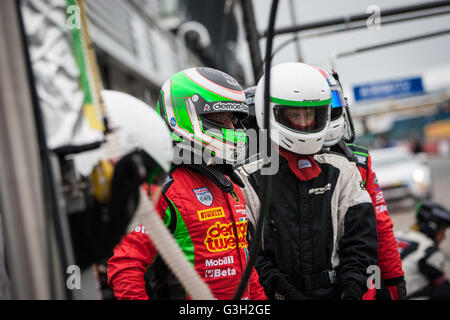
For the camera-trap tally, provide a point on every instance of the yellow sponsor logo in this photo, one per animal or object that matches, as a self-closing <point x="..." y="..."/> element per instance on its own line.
<point x="209" y="214"/>
<point x="222" y="237"/>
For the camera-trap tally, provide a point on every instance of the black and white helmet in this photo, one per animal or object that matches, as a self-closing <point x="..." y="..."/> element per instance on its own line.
<point x="431" y="217"/>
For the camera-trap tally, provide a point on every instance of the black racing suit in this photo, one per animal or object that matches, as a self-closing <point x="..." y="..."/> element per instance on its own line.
<point x="320" y="235"/>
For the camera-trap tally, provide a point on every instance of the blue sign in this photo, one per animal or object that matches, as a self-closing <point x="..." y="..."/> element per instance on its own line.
<point x="389" y="89"/>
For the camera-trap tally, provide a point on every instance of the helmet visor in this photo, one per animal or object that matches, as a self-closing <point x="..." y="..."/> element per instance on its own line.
<point x="220" y="120"/>
<point x="220" y="114"/>
<point x="337" y="100"/>
<point x="226" y="120"/>
<point x="336" y="113"/>
<point x="302" y="119"/>
<point x="337" y="103"/>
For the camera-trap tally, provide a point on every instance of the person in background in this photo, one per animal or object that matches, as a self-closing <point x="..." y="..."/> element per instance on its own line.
<point x="320" y="235"/>
<point x="388" y="257"/>
<point x="423" y="261"/>
<point x="201" y="202"/>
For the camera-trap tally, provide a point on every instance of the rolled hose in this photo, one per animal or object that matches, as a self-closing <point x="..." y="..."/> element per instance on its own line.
<point x="171" y="252"/>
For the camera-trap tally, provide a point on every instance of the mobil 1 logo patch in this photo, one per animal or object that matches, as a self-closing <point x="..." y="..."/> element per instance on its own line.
<point x="204" y="196"/>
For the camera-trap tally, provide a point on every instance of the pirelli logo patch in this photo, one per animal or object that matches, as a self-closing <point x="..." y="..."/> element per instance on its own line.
<point x="209" y="214"/>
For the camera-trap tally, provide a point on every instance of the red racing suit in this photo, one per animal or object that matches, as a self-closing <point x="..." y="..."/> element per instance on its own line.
<point x="388" y="254"/>
<point x="208" y="220"/>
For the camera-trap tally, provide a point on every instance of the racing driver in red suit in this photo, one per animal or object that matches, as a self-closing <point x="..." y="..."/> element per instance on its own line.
<point x="201" y="202"/>
<point x="388" y="255"/>
<point x="389" y="260"/>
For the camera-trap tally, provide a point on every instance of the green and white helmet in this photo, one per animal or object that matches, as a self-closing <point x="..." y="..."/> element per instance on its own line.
<point x="191" y="101"/>
<point x="300" y="107"/>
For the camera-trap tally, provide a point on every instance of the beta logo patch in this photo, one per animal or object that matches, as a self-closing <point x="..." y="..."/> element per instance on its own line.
<point x="204" y="196"/>
<point x="209" y="214"/>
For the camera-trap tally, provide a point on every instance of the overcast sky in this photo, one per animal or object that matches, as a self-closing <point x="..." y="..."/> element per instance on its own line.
<point x="387" y="63"/>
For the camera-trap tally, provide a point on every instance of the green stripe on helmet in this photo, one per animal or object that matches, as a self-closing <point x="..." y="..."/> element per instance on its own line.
<point x="300" y="103"/>
<point x="178" y="95"/>
<point x="183" y="88"/>
<point x="207" y="95"/>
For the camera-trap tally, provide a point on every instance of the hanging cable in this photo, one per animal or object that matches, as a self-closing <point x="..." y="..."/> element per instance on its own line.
<point x="266" y="183"/>
<point x="278" y="49"/>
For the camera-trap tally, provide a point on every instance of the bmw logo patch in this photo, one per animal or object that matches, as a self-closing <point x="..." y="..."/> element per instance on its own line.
<point x="173" y="122"/>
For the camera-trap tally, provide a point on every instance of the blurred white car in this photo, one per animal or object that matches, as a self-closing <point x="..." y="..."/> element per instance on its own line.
<point x="401" y="174"/>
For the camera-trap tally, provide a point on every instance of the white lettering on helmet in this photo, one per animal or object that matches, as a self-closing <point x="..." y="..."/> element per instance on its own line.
<point x="230" y="106"/>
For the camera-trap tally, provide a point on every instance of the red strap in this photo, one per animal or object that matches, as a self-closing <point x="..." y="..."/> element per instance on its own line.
<point x="304" y="167"/>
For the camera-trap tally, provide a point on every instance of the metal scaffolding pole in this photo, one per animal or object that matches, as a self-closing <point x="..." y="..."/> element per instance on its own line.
<point x="252" y="38"/>
<point x="338" y="55"/>
<point x="356" y="27"/>
<point x="361" y="17"/>
<point x="384" y="22"/>
<point x="298" y="50"/>
<point x="21" y="187"/>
